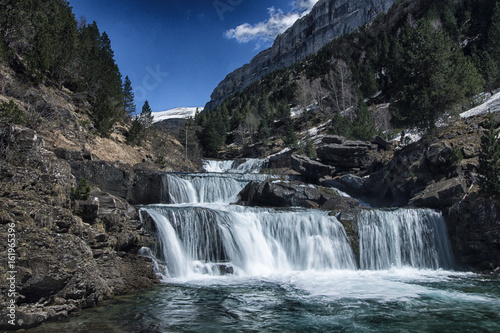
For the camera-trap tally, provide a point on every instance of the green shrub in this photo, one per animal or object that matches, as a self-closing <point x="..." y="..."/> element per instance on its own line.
<point x="82" y="192"/>
<point x="12" y="114"/>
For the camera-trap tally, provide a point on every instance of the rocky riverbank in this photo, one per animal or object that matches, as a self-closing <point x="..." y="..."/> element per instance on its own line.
<point x="69" y="254"/>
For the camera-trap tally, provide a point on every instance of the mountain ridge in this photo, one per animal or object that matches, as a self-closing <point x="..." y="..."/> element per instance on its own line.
<point x="328" y="20"/>
<point x="176" y="113"/>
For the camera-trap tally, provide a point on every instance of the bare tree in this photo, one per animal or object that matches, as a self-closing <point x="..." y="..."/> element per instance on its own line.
<point x="251" y="124"/>
<point x="304" y="93"/>
<point x="187" y="134"/>
<point x="318" y="92"/>
<point x="342" y="90"/>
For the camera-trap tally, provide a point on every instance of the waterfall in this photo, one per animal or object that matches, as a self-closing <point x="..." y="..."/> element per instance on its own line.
<point x="251" y="165"/>
<point x="254" y="242"/>
<point x="200" y="232"/>
<point x="178" y="190"/>
<point x="192" y="188"/>
<point x="204" y="187"/>
<point x="404" y="237"/>
<point x="215" y="166"/>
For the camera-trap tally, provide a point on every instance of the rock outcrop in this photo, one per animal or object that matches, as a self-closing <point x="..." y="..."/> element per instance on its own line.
<point x="310" y="169"/>
<point x="474" y="228"/>
<point x="328" y="20"/>
<point x="139" y="185"/>
<point x="293" y="194"/>
<point x="69" y="254"/>
<point x="346" y="154"/>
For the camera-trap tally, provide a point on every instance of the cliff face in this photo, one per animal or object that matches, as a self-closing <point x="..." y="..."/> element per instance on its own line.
<point x="68" y="254"/>
<point x="328" y="19"/>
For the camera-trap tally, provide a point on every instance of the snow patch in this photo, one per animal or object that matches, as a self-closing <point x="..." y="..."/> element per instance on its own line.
<point x="177" y="113"/>
<point x="491" y="105"/>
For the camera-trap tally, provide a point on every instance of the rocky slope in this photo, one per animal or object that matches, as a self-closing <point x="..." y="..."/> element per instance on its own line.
<point x="71" y="252"/>
<point x="438" y="172"/>
<point x="328" y="19"/>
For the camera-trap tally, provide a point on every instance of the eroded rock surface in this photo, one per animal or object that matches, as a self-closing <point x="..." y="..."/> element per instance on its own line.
<point x="69" y="254"/>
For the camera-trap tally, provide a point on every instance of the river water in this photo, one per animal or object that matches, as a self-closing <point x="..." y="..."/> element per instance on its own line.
<point x="227" y="268"/>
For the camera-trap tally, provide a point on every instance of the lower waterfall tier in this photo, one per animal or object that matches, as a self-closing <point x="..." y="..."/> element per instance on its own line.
<point x="219" y="239"/>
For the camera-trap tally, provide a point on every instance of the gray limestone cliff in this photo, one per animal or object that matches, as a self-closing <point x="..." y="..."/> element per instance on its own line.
<point x="328" y="20"/>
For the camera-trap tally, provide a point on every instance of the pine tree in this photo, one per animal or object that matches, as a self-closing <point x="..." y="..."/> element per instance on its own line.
<point x="290" y="137"/>
<point x="43" y="34"/>
<point x="363" y="125"/>
<point x="223" y="123"/>
<point x="102" y="80"/>
<point x="432" y="75"/>
<point x="187" y="136"/>
<point x="128" y="97"/>
<point x="494" y="44"/>
<point x="283" y="112"/>
<point x="146" y="115"/>
<point x="264" y="107"/>
<point x="309" y="149"/>
<point x="489" y="69"/>
<point x="494" y="32"/>
<point x="210" y="138"/>
<point x="136" y="133"/>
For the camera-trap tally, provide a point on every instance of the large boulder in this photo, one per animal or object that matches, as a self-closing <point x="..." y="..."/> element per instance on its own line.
<point x="440" y="194"/>
<point x="293" y="194"/>
<point x="281" y="161"/>
<point x="310" y="169"/>
<point x="474" y="228"/>
<point x="139" y="185"/>
<point x="350" y="184"/>
<point x="347" y="154"/>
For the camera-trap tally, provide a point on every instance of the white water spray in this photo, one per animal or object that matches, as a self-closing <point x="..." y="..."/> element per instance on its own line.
<point x="199" y="232"/>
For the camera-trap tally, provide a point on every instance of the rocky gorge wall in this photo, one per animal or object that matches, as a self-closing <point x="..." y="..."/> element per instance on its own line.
<point x="328" y="20"/>
<point x="69" y="254"/>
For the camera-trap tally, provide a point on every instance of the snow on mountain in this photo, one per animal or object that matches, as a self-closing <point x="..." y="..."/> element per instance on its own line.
<point x="490" y="105"/>
<point x="177" y="113"/>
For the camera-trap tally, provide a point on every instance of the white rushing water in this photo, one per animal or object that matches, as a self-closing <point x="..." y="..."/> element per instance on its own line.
<point x="252" y="165"/>
<point x="256" y="241"/>
<point x="201" y="233"/>
<point x="403" y="238"/>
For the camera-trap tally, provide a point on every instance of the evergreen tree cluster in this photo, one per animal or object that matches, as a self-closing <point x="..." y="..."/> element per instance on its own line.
<point x="141" y="124"/>
<point x="432" y="61"/>
<point x="245" y="121"/>
<point x="426" y="59"/>
<point x="43" y="41"/>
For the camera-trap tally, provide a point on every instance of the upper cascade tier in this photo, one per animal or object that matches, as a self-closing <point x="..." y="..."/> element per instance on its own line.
<point x="235" y="166"/>
<point x="203" y="188"/>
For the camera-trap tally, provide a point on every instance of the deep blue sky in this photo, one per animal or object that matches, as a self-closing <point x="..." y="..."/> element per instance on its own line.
<point x="176" y="52"/>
